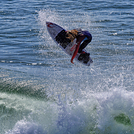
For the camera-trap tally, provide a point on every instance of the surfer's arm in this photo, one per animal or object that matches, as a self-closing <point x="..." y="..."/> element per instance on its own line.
<point x="79" y="40"/>
<point x="75" y="52"/>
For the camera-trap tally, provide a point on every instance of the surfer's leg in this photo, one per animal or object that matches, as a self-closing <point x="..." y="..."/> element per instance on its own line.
<point x="83" y="45"/>
<point x="86" y="41"/>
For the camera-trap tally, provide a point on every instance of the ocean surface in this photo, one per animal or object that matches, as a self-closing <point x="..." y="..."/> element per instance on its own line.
<point x="41" y="92"/>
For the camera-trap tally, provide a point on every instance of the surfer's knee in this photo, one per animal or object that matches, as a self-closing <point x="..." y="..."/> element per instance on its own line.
<point x="89" y="36"/>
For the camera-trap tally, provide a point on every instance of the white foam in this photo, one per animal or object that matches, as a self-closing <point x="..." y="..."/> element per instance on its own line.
<point x="97" y="113"/>
<point x="34" y="64"/>
<point x="75" y="118"/>
<point x="118" y="102"/>
<point x="24" y="127"/>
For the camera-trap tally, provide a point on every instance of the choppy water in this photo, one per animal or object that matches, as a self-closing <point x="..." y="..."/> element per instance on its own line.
<point x="41" y="92"/>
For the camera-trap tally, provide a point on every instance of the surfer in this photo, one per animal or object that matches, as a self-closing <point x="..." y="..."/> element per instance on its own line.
<point x="83" y="38"/>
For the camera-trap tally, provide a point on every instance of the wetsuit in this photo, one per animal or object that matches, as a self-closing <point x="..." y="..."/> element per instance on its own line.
<point x="87" y="39"/>
<point x="83" y="38"/>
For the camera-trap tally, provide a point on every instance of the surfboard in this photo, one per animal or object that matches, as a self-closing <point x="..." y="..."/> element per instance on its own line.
<point x="58" y="34"/>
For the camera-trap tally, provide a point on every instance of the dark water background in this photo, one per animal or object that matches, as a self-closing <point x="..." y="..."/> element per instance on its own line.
<point x="41" y="92"/>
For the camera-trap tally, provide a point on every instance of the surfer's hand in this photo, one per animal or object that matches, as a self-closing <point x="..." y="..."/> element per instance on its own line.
<point x="72" y="61"/>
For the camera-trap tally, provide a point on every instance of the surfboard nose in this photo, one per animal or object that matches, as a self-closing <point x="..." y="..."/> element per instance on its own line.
<point x="49" y="24"/>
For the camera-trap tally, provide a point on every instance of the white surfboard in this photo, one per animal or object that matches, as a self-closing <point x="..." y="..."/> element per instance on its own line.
<point x="58" y="34"/>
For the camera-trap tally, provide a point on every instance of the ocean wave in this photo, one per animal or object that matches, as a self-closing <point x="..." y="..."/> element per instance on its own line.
<point x="25" y="127"/>
<point x="109" y="112"/>
<point x="16" y="83"/>
<point x="115" y="112"/>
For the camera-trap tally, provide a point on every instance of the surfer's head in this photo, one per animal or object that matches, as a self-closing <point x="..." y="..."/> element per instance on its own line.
<point x="71" y="34"/>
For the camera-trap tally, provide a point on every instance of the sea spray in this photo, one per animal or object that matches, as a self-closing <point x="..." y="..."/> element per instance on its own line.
<point x="110" y="112"/>
<point x="115" y="112"/>
<point x="25" y="127"/>
<point x="76" y="117"/>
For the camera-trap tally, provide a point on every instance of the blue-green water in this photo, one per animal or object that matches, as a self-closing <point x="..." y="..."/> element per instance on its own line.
<point x="41" y="92"/>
